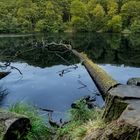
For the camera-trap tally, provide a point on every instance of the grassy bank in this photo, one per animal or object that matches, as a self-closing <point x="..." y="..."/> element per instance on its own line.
<point x="39" y="130"/>
<point x="82" y="122"/>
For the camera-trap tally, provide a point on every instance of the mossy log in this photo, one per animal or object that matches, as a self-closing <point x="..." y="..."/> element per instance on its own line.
<point x="113" y="108"/>
<point x="3" y="74"/>
<point x="103" y="81"/>
<point x="121" y="98"/>
<point x="116" y="130"/>
<point x="13" y="126"/>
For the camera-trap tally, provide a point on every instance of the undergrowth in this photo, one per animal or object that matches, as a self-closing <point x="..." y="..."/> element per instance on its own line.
<point x="83" y="121"/>
<point x="39" y="130"/>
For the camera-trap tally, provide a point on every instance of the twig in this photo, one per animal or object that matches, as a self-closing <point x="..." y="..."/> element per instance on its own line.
<point x="83" y="85"/>
<point x="46" y="110"/>
<point x="12" y="67"/>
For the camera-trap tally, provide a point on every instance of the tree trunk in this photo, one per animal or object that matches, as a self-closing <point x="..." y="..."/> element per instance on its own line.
<point x="13" y="126"/>
<point x="103" y="81"/>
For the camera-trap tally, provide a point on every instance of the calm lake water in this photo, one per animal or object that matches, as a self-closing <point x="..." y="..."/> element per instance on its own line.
<point x="54" y="78"/>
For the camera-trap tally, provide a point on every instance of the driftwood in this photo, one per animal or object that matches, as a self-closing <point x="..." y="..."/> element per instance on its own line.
<point x="3" y="74"/>
<point x="13" y="126"/>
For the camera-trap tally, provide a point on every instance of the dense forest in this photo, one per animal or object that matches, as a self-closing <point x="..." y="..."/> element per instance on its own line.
<point x="25" y="16"/>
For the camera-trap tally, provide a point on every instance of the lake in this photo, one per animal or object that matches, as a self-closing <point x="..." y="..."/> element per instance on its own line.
<point x="54" y="78"/>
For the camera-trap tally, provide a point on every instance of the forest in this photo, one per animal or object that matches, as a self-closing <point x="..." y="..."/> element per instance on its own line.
<point x="28" y="16"/>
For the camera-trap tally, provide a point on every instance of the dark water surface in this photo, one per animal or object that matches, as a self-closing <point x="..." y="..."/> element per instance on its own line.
<point x="43" y="84"/>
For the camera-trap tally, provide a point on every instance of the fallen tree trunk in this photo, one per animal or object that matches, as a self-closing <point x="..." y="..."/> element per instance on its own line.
<point x="3" y="74"/>
<point x="103" y="81"/>
<point x="13" y="126"/>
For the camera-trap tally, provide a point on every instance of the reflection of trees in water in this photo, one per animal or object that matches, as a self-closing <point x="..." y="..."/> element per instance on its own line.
<point x="129" y="53"/>
<point x="107" y="48"/>
<point x="134" y="41"/>
<point x="35" y="55"/>
<point x="102" y="48"/>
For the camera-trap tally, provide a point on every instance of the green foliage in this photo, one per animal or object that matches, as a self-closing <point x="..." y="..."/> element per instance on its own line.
<point x="79" y="24"/>
<point x="135" y="26"/>
<point x="112" y="7"/>
<point x="82" y="119"/>
<point x="97" y="18"/>
<point x="39" y="130"/>
<point x="115" y="24"/>
<point x="79" y="19"/>
<point x="130" y="11"/>
<point x="91" y="5"/>
<point x="53" y="18"/>
<point x="22" y="16"/>
<point x="81" y="112"/>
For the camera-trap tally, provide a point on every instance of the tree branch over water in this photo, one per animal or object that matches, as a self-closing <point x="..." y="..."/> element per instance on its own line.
<point x="8" y="64"/>
<point x="59" y="50"/>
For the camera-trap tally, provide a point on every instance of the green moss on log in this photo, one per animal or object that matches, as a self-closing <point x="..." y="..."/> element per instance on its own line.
<point x="104" y="81"/>
<point x="116" y="130"/>
<point x="119" y="130"/>
<point x="114" y="108"/>
<point x="101" y="78"/>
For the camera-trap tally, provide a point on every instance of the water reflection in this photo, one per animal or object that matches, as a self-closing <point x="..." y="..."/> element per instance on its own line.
<point x="44" y="87"/>
<point x="121" y="73"/>
<point x="52" y="82"/>
<point x="102" y="48"/>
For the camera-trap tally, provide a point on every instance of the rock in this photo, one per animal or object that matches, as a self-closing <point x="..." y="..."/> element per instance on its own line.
<point x="134" y="81"/>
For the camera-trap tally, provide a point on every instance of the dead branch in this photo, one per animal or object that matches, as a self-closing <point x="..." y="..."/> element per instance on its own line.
<point x="82" y="84"/>
<point x="67" y="70"/>
<point x="12" y="67"/>
<point x="46" y="110"/>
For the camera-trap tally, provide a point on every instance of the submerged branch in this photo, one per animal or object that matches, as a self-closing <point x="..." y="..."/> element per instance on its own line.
<point x="3" y="74"/>
<point x="6" y="65"/>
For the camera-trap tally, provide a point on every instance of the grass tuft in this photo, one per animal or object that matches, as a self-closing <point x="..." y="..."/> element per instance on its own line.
<point x="83" y="122"/>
